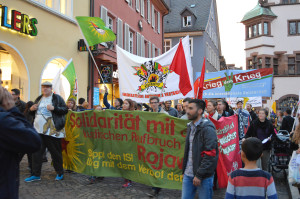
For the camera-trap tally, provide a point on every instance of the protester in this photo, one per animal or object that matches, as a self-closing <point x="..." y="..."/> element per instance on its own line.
<point x="251" y="112"/>
<point x="18" y="102"/>
<point x="85" y="105"/>
<point x="16" y="136"/>
<point x="98" y="108"/>
<point x="243" y="119"/>
<point x="49" y="110"/>
<point x="228" y="109"/>
<point x="279" y="120"/>
<point x="162" y="105"/>
<point x="154" y="104"/>
<point x="71" y="104"/>
<point x="211" y="110"/>
<point x="30" y="118"/>
<point x="185" y="107"/>
<point x="172" y="111"/>
<point x="200" y="154"/>
<point x="221" y="107"/>
<point x="262" y="129"/>
<point x="179" y="108"/>
<point x="251" y="182"/>
<point x="80" y="102"/>
<point x="118" y="102"/>
<point x="288" y="121"/>
<point x="140" y="107"/>
<point x="295" y="144"/>
<point x="128" y="105"/>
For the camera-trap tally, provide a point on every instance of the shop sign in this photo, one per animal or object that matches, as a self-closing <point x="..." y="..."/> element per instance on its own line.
<point x="19" y="22"/>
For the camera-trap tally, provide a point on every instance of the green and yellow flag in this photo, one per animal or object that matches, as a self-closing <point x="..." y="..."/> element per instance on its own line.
<point x="69" y="73"/>
<point x="94" y="30"/>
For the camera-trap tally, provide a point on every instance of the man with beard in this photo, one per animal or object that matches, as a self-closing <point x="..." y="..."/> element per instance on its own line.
<point x="200" y="154"/>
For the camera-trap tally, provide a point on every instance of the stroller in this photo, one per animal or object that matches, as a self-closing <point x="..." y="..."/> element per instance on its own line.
<point x="281" y="152"/>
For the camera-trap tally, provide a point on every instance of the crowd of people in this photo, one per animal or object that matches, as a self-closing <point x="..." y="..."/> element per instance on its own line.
<point x="31" y="128"/>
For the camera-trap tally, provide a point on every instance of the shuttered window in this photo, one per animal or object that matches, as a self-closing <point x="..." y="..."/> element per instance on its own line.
<point x="142" y="46"/>
<point x="137" y="5"/>
<point x="153" y="17"/>
<point x="158" y="22"/>
<point x="138" y="44"/>
<point x="153" y="50"/>
<point x="142" y="8"/>
<point x="149" y="49"/>
<point x="120" y="33"/>
<point x="149" y="11"/>
<point x="103" y="15"/>
<point x="126" y="37"/>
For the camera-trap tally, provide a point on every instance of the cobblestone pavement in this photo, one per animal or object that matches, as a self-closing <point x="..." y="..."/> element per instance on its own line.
<point x="77" y="185"/>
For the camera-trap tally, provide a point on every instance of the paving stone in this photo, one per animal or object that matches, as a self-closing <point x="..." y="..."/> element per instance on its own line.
<point x="77" y="186"/>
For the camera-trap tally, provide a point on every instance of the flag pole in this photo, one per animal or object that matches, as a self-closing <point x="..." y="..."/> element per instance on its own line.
<point x="88" y="47"/>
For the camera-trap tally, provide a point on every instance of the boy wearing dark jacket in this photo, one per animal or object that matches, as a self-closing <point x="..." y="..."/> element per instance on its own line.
<point x="200" y="155"/>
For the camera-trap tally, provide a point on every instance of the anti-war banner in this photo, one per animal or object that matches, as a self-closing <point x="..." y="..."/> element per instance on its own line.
<point x="238" y="83"/>
<point x="141" y="146"/>
<point x="228" y="141"/>
<point x="140" y="78"/>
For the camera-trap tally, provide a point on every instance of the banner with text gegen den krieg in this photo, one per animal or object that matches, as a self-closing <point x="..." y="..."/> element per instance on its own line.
<point x="238" y="83"/>
<point x="144" y="147"/>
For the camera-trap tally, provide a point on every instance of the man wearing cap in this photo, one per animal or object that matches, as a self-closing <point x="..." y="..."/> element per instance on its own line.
<point x="49" y="111"/>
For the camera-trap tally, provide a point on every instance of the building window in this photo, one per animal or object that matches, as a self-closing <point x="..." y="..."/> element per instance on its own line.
<point x="167" y="44"/>
<point x="110" y="22"/>
<point x="266" y="28"/>
<point x="249" y="32"/>
<point x="254" y="62"/>
<point x="130" y="42"/>
<point x="298" y="63"/>
<point x="187" y="21"/>
<point x="289" y="1"/>
<point x="291" y="66"/>
<point x="191" y="46"/>
<point x="64" y="7"/>
<point x="294" y="27"/>
<point x="275" y="66"/>
<point x="268" y="62"/>
<point x="259" y="63"/>
<point x="254" y="29"/>
<point x="259" y="32"/>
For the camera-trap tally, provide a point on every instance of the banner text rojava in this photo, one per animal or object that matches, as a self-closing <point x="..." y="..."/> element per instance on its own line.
<point x="141" y="146"/>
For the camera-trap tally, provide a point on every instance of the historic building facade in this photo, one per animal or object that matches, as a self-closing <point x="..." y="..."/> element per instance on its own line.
<point x="199" y="20"/>
<point x="138" y="25"/>
<point x="272" y="35"/>
<point x="37" y="39"/>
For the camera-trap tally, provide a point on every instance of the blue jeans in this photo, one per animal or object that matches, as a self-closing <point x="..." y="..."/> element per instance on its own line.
<point x="205" y="190"/>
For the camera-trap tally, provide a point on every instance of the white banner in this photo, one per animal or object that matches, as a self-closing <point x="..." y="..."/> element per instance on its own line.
<point x="254" y="101"/>
<point x="141" y="78"/>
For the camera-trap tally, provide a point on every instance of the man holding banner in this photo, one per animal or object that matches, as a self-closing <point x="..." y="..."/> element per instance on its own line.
<point x="200" y="155"/>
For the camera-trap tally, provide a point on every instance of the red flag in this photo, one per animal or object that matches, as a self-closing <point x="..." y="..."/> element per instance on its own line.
<point x="179" y="66"/>
<point x="199" y="83"/>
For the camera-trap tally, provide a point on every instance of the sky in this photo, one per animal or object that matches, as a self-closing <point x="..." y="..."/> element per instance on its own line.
<point x="232" y="32"/>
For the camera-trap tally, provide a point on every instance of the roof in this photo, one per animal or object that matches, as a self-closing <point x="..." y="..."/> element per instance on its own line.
<point x="173" y="21"/>
<point x="258" y="11"/>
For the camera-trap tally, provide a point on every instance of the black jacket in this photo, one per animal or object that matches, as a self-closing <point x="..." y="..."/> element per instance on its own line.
<point x="59" y="112"/>
<point x="287" y="123"/>
<point x="20" y="105"/>
<point x="268" y="129"/>
<point x="16" y="136"/>
<point x="205" y="140"/>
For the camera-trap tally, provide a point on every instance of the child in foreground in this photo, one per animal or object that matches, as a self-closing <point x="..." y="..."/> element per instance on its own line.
<point x="251" y="182"/>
